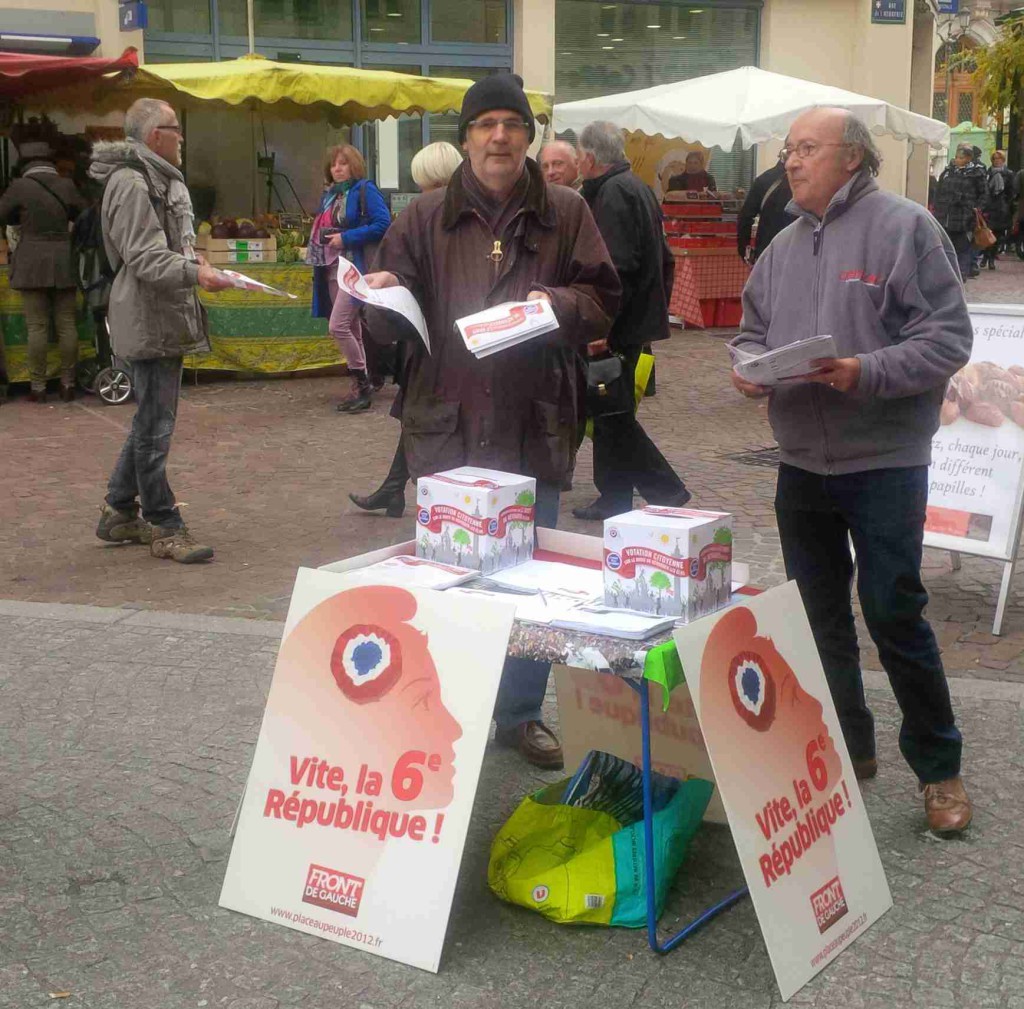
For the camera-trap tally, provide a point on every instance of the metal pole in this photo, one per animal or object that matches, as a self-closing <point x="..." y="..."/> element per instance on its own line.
<point x="251" y="20"/>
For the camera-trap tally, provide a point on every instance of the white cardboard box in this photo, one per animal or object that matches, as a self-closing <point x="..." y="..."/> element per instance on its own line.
<point x="475" y="518"/>
<point x="674" y="561"/>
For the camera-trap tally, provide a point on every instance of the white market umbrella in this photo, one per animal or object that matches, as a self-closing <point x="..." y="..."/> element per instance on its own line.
<point x="749" y="105"/>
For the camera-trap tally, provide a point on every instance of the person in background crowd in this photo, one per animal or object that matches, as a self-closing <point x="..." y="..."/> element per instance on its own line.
<point x="855" y="438"/>
<point x="766" y="203"/>
<point x="1018" y="222"/>
<point x="155" y="319"/>
<point x="629" y="219"/>
<point x="958" y="195"/>
<point x="43" y="203"/>
<point x="695" y="178"/>
<point x="976" y="160"/>
<point x="499" y="233"/>
<point x="557" y="161"/>
<point x="1001" y="206"/>
<point x="352" y="220"/>
<point x="431" y="169"/>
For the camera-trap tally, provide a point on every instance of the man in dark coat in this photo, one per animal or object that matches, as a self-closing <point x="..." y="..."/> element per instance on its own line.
<point x="43" y="203"/>
<point x="628" y="215"/>
<point x="961" y="191"/>
<point x="499" y="233"/>
<point x="766" y="203"/>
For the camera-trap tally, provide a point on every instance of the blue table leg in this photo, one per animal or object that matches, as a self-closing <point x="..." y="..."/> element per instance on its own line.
<point x="641" y="687"/>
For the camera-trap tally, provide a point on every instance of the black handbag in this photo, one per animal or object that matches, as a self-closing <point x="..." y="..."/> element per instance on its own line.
<point x="608" y="391"/>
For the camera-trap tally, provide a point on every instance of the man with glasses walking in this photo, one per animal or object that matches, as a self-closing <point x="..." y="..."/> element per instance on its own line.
<point x="499" y="233"/>
<point x="877" y="273"/>
<point x="155" y="319"/>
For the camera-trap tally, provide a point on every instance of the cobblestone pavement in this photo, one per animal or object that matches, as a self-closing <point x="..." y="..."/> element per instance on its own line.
<point x="263" y="468"/>
<point x="128" y="735"/>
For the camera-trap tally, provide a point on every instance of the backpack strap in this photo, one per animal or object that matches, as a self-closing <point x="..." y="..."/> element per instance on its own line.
<point x="768" y="194"/>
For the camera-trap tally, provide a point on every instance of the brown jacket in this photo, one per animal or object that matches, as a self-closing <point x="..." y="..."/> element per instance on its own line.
<point x="516" y="410"/>
<point x="43" y="256"/>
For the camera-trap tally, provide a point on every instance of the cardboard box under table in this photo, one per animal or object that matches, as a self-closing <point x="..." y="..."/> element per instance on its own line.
<point x="632" y="670"/>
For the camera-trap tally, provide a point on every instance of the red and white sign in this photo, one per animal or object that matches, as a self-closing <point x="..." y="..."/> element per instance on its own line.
<point x="786" y="781"/>
<point x="362" y="785"/>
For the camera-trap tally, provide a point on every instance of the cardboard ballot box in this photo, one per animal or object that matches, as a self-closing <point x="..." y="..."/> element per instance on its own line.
<point x="475" y="518"/>
<point x="675" y="561"/>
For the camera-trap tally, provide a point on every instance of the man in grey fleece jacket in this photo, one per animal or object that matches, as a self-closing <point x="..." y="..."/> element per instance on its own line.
<point x="876" y="272"/>
<point x="155" y="319"/>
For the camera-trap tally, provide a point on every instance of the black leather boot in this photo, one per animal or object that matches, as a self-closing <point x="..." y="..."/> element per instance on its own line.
<point x="391" y="493"/>
<point x="363" y="395"/>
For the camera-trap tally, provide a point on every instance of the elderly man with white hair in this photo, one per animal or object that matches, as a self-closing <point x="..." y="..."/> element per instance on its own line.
<point x="559" y="165"/>
<point x="877" y="273"/>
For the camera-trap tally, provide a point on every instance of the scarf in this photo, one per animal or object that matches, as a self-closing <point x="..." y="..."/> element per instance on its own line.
<point x="330" y="214"/>
<point x="497" y="213"/>
<point x="996" y="182"/>
<point x="179" y="202"/>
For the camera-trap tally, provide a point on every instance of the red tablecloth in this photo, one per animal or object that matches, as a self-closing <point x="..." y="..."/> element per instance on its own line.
<point x="701" y="278"/>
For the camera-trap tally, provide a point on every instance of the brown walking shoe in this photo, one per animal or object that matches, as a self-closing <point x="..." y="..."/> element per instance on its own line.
<point x="947" y="806"/>
<point x="122" y="527"/>
<point x="535" y="741"/>
<point x="865" y="768"/>
<point x="176" y="543"/>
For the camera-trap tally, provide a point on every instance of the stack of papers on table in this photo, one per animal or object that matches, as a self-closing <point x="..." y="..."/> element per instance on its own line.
<point x="406" y="570"/>
<point x="614" y="623"/>
<point x="506" y="325"/>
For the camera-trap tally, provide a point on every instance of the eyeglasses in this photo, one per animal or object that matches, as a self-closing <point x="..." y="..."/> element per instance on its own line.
<point x="513" y="127"/>
<point x="174" y="128"/>
<point x="805" y="150"/>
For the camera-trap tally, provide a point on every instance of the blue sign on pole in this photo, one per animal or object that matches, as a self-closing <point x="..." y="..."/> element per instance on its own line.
<point x="949" y="6"/>
<point x="889" y="12"/>
<point x="133" y="15"/>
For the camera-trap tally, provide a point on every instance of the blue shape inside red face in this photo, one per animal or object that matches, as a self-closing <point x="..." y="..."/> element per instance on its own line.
<point x="366" y="662"/>
<point x="752" y="689"/>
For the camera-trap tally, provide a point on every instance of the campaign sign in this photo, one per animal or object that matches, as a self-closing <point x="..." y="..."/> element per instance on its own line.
<point x="362" y="784"/>
<point x="976" y="479"/>
<point x="786" y="781"/>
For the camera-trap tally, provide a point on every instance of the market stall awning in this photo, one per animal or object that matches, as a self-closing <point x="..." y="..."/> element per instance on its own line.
<point x="291" y="90"/>
<point x="25" y="74"/>
<point x="746" y="106"/>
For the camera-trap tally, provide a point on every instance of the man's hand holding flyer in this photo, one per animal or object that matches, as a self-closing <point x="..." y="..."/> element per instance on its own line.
<point x="395" y="299"/>
<point x="793" y="363"/>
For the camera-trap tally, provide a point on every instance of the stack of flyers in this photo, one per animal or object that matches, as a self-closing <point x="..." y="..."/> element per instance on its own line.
<point x="406" y="570"/>
<point x="506" y="325"/>
<point x="248" y="284"/>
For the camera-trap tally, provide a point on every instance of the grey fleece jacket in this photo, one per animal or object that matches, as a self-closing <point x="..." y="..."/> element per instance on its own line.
<point x="879" y="275"/>
<point x="154" y="308"/>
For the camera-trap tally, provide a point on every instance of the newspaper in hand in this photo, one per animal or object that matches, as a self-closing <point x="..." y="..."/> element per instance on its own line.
<point x="395" y="299"/>
<point x="785" y="365"/>
<point x="248" y="284"/>
<point x="506" y="325"/>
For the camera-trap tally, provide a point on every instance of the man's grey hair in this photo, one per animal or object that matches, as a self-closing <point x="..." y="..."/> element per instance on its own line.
<point x="142" y="117"/>
<point x="604" y="141"/>
<point x="856" y="134"/>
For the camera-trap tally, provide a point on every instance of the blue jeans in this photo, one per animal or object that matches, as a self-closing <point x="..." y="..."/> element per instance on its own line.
<point x="525" y="681"/>
<point x="883" y="512"/>
<point x="141" y="469"/>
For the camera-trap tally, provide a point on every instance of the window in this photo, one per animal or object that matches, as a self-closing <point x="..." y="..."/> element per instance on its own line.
<point x="479" y="21"/>
<point x="939" y="107"/>
<point x="965" y="107"/>
<point x="396" y="21"/>
<point x="187" y="17"/>
<point x="606" y="48"/>
<point x="288" y="19"/>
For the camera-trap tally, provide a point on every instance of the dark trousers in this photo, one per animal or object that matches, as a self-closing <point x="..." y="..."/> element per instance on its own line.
<point x="883" y="512"/>
<point x="141" y="469"/>
<point x="625" y="457"/>
<point x="525" y="681"/>
<point x="962" y="247"/>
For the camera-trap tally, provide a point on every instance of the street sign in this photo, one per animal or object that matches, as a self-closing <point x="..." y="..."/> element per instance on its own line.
<point x="949" y="6"/>
<point x="889" y="12"/>
<point x="133" y="16"/>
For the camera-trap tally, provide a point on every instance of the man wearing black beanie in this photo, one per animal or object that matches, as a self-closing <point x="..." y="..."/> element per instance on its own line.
<point x="499" y="233"/>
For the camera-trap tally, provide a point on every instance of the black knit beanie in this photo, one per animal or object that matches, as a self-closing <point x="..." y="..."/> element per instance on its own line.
<point x="499" y="91"/>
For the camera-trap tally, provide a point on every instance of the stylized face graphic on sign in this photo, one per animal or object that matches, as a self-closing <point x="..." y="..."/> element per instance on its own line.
<point x="751" y="695"/>
<point x="370" y="671"/>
